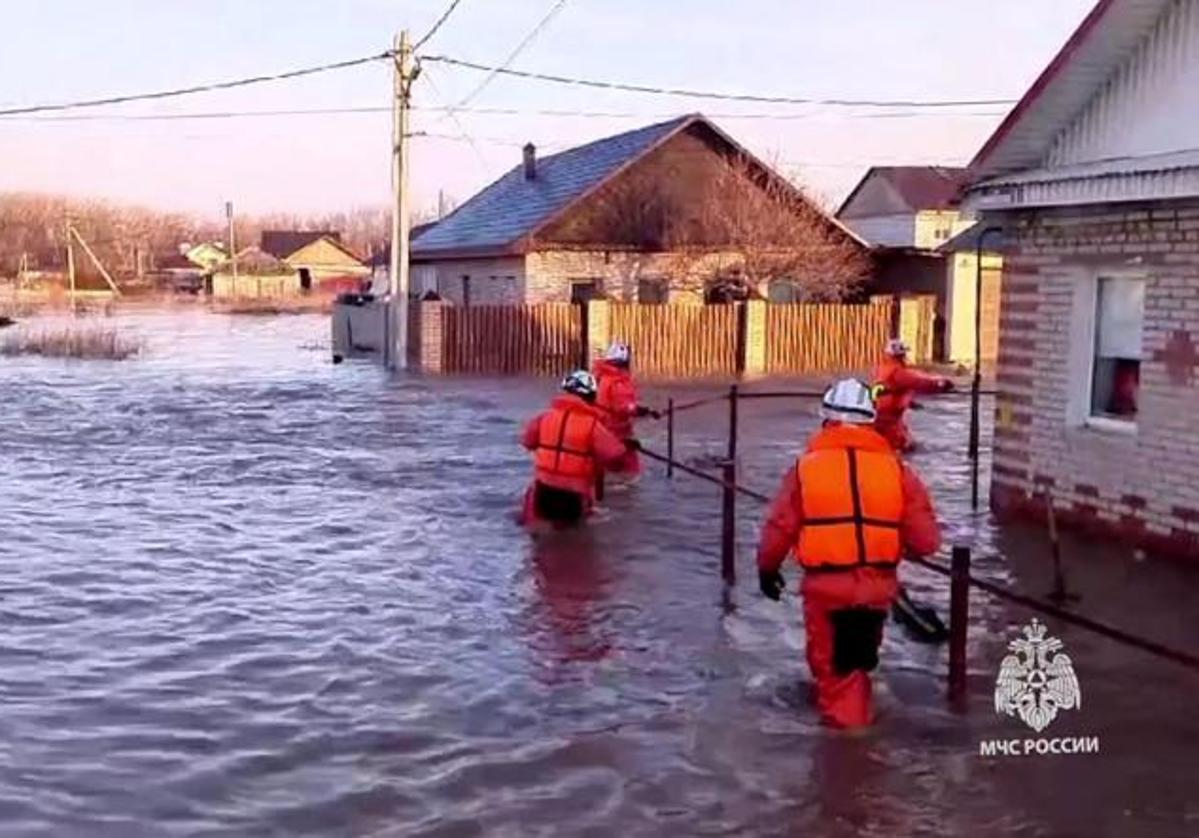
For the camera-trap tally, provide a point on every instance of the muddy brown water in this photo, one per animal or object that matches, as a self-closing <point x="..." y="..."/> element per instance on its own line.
<point x="246" y="592"/>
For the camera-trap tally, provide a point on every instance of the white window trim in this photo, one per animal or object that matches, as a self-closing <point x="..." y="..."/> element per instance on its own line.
<point x="1082" y="340"/>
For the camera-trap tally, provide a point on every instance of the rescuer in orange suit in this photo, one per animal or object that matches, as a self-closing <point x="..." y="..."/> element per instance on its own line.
<point x="895" y="387"/>
<point x="569" y="444"/>
<point x="618" y="403"/>
<point x="849" y="510"/>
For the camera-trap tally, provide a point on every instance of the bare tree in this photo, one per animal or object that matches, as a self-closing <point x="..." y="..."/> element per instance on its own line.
<point x="728" y="222"/>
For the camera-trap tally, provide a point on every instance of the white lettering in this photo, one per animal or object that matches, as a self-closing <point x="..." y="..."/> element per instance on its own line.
<point x="1055" y="746"/>
<point x="988" y="748"/>
<point x="1090" y="745"/>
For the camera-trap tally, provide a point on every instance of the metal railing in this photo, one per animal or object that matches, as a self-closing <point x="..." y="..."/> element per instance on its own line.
<point x="958" y="571"/>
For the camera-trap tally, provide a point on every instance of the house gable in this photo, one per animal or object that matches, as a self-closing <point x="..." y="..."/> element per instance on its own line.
<point x="1148" y="104"/>
<point x="324" y="254"/>
<point x="875" y="195"/>
<point x="1106" y="39"/>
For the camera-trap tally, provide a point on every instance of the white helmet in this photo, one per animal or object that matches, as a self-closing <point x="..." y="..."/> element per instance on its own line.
<point x="618" y="353"/>
<point x="896" y="347"/>
<point x="848" y="401"/>
<point x="580" y="383"/>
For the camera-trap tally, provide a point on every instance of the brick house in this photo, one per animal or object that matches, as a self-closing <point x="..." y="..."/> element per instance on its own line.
<point x="545" y="231"/>
<point x="1094" y="180"/>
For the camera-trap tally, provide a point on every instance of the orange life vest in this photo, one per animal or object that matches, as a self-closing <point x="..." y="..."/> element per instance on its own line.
<point x="889" y="401"/>
<point x="565" y="444"/>
<point x="851" y="494"/>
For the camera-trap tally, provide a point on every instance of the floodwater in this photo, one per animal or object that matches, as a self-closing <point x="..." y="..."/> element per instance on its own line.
<point x="246" y="592"/>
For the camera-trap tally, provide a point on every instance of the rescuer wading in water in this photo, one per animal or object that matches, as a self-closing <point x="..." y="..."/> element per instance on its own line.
<point x="895" y="387"/>
<point x="849" y="510"/>
<point x="569" y="444"/>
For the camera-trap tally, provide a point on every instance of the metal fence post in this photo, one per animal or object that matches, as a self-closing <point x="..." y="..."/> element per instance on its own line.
<point x="959" y="616"/>
<point x="728" y="518"/>
<point x="670" y="438"/>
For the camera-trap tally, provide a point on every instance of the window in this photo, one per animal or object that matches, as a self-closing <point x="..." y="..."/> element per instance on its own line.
<point x="465" y="290"/>
<point x="783" y="291"/>
<point x="584" y="290"/>
<point x="1116" y="361"/>
<point x="652" y="291"/>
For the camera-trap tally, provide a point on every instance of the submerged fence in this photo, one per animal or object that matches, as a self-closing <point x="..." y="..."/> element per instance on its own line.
<point x="958" y="570"/>
<point x="669" y="341"/>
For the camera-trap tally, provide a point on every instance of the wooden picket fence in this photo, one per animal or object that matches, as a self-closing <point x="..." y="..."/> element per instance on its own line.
<point x="669" y="341"/>
<point x="544" y="339"/>
<point x="679" y="341"/>
<point x="804" y="338"/>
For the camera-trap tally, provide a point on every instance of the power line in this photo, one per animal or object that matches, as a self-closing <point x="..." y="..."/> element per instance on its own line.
<point x="521" y="47"/>
<point x="491" y="111"/>
<point x="700" y="94"/>
<point x="200" y="88"/>
<point x="441" y="20"/>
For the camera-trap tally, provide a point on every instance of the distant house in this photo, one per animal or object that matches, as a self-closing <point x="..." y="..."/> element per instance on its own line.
<point x="547" y="231"/>
<point x="205" y="255"/>
<point x="257" y="274"/>
<point x="318" y="257"/>
<point x="906" y="214"/>
<point x="1093" y="181"/>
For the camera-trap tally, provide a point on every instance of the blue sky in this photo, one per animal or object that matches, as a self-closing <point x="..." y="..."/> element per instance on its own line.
<point x="60" y="50"/>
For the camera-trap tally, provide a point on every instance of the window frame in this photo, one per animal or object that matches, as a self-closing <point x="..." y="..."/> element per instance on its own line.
<point x="1107" y="424"/>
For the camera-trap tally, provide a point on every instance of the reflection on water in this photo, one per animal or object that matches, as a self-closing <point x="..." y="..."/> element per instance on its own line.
<point x="243" y="591"/>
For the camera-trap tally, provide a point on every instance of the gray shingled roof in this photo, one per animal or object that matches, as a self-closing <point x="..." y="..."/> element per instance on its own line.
<point x="513" y="207"/>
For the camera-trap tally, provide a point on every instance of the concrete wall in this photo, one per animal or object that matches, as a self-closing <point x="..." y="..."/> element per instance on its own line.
<point x="1138" y="481"/>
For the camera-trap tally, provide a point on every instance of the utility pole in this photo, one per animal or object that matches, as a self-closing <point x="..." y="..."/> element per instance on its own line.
<point x="406" y="71"/>
<point x="70" y="262"/>
<point x="232" y="243"/>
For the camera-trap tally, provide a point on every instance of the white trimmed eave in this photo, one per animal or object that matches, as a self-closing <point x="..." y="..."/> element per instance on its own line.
<point x="1156" y="177"/>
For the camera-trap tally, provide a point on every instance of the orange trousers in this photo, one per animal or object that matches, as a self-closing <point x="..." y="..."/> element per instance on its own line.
<point x="844" y="700"/>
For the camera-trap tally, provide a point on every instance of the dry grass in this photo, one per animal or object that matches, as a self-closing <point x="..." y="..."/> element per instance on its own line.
<point x="322" y="304"/>
<point x="91" y="342"/>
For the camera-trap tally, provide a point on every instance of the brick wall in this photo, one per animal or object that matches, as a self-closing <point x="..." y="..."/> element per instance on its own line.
<point x="1142" y="486"/>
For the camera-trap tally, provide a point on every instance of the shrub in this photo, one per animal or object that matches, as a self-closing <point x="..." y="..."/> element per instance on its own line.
<point x="71" y="342"/>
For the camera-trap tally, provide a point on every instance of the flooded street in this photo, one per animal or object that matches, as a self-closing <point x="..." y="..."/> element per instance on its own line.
<point x="246" y="592"/>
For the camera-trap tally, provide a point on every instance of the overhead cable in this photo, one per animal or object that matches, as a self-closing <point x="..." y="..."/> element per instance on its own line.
<point x="701" y="94"/>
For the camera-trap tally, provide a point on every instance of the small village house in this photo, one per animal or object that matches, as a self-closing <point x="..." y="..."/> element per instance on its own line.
<point x="1094" y="180"/>
<point x="910" y="216"/>
<point x="622" y="218"/>
<point x="321" y="262"/>
<point x="258" y="274"/>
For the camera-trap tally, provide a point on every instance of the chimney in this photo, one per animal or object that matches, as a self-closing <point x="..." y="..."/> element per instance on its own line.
<point x="530" y="161"/>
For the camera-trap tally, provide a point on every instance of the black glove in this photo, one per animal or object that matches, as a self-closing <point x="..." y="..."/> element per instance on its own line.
<point x="633" y="444"/>
<point x="772" y="584"/>
<point x="947" y="385"/>
<point x="641" y="412"/>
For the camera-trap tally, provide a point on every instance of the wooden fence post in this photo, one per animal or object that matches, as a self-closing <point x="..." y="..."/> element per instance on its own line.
<point x="753" y="359"/>
<point x="598" y="323"/>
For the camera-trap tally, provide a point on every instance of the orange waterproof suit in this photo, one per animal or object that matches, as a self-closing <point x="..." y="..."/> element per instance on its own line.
<point x="849" y="510"/>
<point x="617" y="401"/>
<point x="569" y="443"/>
<point x="897" y="385"/>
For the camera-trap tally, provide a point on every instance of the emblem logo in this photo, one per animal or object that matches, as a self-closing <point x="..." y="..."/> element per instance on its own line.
<point x="1036" y="680"/>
